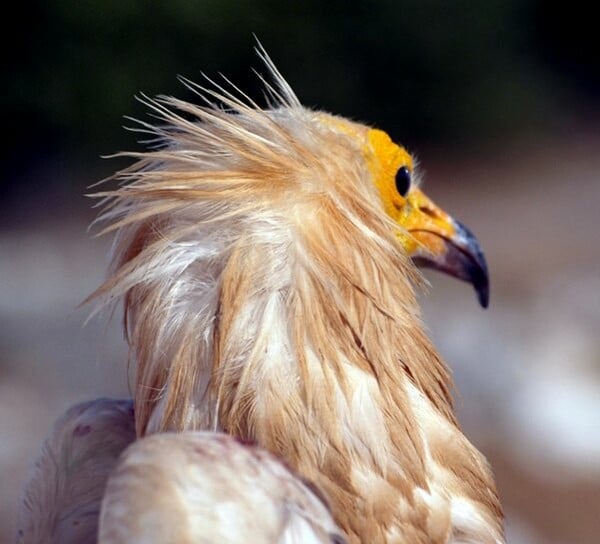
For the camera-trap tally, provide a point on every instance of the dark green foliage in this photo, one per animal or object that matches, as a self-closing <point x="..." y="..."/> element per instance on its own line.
<point x="428" y="71"/>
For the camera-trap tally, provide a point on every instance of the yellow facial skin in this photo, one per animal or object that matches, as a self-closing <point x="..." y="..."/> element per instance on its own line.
<point x="415" y="212"/>
<point x="429" y="235"/>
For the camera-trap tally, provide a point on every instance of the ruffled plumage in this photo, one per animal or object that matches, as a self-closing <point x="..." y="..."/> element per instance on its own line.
<point x="267" y="296"/>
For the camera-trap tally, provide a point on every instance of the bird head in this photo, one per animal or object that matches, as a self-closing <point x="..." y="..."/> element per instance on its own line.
<point x="430" y="236"/>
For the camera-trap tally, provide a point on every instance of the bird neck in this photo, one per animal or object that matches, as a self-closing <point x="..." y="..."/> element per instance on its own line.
<point x="281" y="315"/>
<point x="316" y="366"/>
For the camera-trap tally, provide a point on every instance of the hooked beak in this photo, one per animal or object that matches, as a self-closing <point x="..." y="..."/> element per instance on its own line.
<point x="438" y="241"/>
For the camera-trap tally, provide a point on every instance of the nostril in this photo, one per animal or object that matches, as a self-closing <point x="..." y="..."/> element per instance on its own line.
<point x="428" y="211"/>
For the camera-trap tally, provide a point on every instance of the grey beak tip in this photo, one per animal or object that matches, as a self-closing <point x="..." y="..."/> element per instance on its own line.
<point x="483" y="295"/>
<point x="477" y="269"/>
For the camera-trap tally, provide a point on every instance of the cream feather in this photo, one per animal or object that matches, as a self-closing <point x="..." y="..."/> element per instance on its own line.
<point x="61" y="501"/>
<point x="207" y="487"/>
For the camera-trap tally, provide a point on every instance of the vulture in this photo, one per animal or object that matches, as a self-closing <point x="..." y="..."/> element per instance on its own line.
<point x="266" y="258"/>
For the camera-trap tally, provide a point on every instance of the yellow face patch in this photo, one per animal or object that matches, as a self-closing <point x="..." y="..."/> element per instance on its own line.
<point x="384" y="159"/>
<point x="414" y="212"/>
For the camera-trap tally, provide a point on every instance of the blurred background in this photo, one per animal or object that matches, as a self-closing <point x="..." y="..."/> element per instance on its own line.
<point x="500" y="101"/>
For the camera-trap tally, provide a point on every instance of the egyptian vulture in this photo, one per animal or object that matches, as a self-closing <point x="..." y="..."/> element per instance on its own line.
<point x="265" y="259"/>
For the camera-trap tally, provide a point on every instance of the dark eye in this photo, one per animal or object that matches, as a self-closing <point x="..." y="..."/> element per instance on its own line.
<point x="403" y="180"/>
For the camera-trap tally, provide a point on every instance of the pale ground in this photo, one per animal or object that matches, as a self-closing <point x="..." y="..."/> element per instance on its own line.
<point x="528" y="369"/>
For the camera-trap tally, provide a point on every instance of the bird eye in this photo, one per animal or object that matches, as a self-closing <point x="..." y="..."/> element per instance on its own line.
<point x="403" y="180"/>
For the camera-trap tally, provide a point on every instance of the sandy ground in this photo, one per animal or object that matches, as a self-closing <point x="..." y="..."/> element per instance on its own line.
<point x="527" y="369"/>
